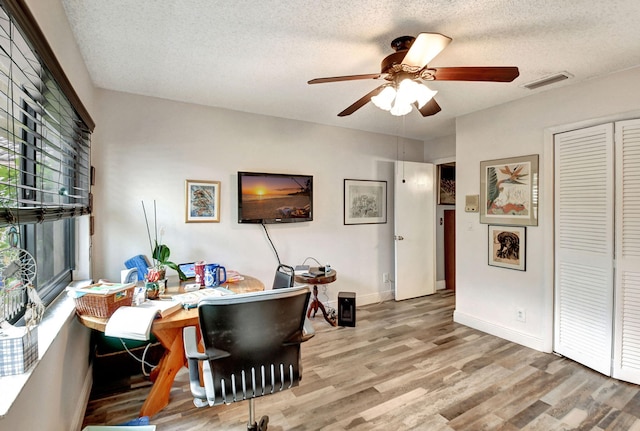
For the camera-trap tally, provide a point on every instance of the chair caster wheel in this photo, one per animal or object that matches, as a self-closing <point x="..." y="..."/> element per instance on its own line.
<point x="264" y="421"/>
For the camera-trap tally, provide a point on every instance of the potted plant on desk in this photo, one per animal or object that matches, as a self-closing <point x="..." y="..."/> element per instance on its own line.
<point x="161" y="260"/>
<point x="160" y="252"/>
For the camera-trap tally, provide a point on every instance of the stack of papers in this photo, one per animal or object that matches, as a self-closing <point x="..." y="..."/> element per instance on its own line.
<point x="101" y="288"/>
<point x="234" y="276"/>
<point x="190" y="299"/>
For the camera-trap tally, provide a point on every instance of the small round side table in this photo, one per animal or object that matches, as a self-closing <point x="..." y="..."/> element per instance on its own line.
<point x="318" y="278"/>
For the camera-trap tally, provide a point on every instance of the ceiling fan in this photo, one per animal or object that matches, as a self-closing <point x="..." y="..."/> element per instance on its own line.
<point x="407" y="67"/>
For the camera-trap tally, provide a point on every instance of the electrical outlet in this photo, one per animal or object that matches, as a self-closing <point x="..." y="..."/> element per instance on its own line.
<point x="385" y="277"/>
<point x="521" y="315"/>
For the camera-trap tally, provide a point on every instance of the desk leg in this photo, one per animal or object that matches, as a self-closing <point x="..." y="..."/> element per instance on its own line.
<point x="171" y="362"/>
<point x="315" y="304"/>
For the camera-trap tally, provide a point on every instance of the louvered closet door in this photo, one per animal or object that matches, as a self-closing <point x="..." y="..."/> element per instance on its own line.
<point x="626" y="359"/>
<point x="584" y="197"/>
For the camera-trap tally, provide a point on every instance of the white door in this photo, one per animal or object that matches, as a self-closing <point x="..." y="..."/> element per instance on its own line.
<point x="626" y="358"/>
<point x="415" y="230"/>
<point x="584" y="199"/>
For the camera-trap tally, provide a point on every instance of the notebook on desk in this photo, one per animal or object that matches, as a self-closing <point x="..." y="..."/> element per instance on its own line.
<point x="135" y="322"/>
<point x="163" y="307"/>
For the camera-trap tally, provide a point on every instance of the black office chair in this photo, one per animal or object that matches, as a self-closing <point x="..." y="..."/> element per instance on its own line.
<point x="252" y="347"/>
<point x="284" y="277"/>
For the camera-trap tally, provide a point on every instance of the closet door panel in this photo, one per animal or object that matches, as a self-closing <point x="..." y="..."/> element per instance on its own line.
<point x="584" y="223"/>
<point x="626" y="359"/>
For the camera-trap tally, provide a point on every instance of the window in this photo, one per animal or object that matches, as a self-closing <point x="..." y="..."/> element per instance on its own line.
<point x="45" y="141"/>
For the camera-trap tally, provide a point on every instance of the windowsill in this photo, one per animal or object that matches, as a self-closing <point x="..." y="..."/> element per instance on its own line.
<point x="59" y="313"/>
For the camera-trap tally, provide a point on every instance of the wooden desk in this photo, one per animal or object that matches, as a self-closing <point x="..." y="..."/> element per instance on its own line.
<point x="323" y="278"/>
<point x="168" y="331"/>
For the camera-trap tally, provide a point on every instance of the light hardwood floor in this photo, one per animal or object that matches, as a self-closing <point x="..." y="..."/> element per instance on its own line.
<point x="408" y="366"/>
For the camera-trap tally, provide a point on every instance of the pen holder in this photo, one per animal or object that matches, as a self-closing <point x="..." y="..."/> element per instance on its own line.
<point x="152" y="288"/>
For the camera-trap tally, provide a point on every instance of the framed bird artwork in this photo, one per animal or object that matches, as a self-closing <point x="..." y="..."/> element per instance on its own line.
<point x="509" y="191"/>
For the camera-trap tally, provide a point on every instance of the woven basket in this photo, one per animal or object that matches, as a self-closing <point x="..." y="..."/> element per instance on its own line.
<point x="104" y="305"/>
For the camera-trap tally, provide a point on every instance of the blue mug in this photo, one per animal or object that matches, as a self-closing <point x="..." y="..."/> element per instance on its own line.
<point x="214" y="275"/>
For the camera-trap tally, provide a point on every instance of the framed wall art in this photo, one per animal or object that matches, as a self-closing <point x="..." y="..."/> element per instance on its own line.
<point x="509" y="191"/>
<point x="447" y="184"/>
<point x="507" y="247"/>
<point x="365" y="201"/>
<point x="202" y="201"/>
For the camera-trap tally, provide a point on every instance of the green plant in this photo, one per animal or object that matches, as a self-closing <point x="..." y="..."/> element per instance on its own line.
<point x="160" y="252"/>
<point x="161" y="255"/>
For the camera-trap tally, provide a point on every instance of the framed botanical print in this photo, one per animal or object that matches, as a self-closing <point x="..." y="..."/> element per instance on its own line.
<point x="509" y="191"/>
<point x="202" y="201"/>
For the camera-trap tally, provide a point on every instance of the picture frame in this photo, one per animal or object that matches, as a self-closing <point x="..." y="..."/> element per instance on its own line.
<point x="202" y="201"/>
<point x="365" y="202"/>
<point x="508" y="247"/>
<point x="447" y="184"/>
<point x="509" y="191"/>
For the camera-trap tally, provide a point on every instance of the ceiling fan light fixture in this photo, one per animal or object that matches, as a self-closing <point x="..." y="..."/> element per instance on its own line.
<point x="407" y="90"/>
<point x="384" y="100"/>
<point x="400" y="102"/>
<point x="424" y="94"/>
<point x="400" y="109"/>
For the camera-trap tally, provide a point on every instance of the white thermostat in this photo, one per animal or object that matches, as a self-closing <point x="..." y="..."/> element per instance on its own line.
<point x="471" y="203"/>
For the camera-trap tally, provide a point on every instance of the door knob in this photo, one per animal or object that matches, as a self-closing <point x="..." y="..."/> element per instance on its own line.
<point x="398" y="237"/>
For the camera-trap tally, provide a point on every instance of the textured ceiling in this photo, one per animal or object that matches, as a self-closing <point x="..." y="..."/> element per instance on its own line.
<point x="257" y="56"/>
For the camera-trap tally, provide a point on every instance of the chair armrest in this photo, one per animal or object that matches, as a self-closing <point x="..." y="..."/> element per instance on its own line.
<point x="298" y="337"/>
<point x="193" y="359"/>
<point x="191" y="347"/>
<point x="191" y="344"/>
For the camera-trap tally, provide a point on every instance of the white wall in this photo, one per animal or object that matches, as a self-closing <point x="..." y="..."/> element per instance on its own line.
<point x="486" y="297"/>
<point x="440" y="148"/>
<point x="148" y="147"/>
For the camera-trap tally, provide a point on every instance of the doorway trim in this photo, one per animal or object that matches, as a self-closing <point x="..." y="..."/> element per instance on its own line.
<point x="441" y="284"/>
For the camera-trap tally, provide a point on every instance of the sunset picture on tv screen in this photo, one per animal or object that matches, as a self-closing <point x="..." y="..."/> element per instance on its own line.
<point x="276" y="197"/>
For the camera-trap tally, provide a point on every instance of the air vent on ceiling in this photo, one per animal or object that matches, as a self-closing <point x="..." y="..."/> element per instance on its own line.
<point x="548" y="80"/>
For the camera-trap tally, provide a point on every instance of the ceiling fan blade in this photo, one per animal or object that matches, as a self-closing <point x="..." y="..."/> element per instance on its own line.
<point x="425" y="48"/>
<point x="361" y="102"/>
<point x="429" y="108"/>
<point x="344" y="78"/>
<point x="495" y="74"/>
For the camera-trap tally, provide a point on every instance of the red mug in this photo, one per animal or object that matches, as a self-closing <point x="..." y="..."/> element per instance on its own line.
<point x="199" y="267"/>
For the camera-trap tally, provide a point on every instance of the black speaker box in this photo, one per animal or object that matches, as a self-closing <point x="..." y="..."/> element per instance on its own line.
<point x="346" y="309"/>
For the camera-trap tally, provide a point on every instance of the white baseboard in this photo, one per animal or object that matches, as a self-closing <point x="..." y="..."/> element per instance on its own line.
<point x="374" y="298"/>
<point x="365" y="299"/>
<point x="83" y="399"/>
<point x="441" y="284"/>
<point x="526" y="340"/>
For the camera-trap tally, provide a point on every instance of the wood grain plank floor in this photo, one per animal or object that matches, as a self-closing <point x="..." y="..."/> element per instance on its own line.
<point x="407" y="366"/>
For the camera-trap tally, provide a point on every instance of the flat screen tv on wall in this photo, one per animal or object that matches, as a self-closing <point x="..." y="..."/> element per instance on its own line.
<point x="274" y="198"/>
